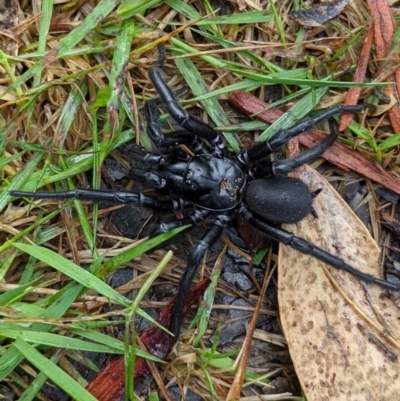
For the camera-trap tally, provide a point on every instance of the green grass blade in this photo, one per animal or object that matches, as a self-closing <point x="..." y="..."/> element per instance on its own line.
<point x="211" y="105"/>
<point x="55" y="340"/>
<point x="298" y="111"/>
<point x="56" y="374"/>
<point x="21" y="177"/>
<point x="73" y="271"/>
<point x="130" y="254"/>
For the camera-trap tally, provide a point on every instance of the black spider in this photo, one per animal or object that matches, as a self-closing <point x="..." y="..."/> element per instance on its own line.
<point x="218" y="184"/>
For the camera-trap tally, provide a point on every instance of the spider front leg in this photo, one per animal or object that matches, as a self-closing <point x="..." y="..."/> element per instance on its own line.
<point x="97" y="195"/>
<point x="196" y="217"/>
<point x="286" y="166"/>
<point x="194" y="260"/>
<point x="185" y="120"/>
<point x="264" y="149"/>
<point x="156" y="134"/>
<point x="306" y="247"/>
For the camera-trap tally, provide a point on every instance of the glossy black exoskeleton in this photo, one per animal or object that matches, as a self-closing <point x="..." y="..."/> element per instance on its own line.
<point x="206" y="181"/>
<point x="219" y="185"/>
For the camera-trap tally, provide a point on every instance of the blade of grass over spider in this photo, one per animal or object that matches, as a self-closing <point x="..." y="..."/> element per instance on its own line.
<point x="298" y="111"/>
<point x="56" y="374"/>
<point x="154" y="340"/>
<point x="211" y="105"/>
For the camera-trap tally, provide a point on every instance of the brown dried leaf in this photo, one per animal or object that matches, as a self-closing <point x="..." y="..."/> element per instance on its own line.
<point x="338" y="354"/>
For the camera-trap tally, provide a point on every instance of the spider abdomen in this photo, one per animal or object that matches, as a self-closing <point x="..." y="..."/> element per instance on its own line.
<point x="279" y="199"/>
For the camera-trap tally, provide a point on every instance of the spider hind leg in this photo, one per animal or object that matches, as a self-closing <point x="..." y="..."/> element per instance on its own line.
<point x="307" y="248"/>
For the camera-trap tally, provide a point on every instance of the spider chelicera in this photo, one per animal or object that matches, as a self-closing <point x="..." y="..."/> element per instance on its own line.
<point x="216" y="184"/>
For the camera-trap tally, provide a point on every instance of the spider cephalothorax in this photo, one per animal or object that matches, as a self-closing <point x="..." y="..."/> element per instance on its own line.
<point x="218" y="185"/>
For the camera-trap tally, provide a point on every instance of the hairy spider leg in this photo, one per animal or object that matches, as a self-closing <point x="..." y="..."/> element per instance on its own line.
<point x="194" y="260"/>
<point x="264" y="149"/>
<point x="185" y="120"/>
<point x="287" y="165"/>
<point x="307" y="248"/>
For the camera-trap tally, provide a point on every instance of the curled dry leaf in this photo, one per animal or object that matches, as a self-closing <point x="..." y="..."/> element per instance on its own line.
<point x="339" y="353"/>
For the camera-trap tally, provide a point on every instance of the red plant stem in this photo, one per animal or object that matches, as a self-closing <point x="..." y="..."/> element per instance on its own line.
<point x="109" y="384"/>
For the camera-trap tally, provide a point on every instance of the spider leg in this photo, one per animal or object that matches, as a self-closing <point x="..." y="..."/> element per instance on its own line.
<point x="194" y="260"/>
<point x="155" y="132"/>
<point x="281" y="137"/>
<point x="191" y="219"/>
<point x="97" y="195"/>
<point x="170" y="174"/>
<point x="288" y="165"/>
<point x="185" y="120"/>
<point x="306" y="247"/>
<point x="141" y="155"/>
